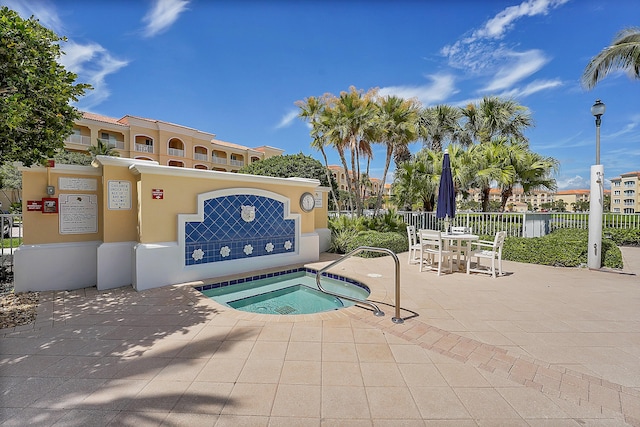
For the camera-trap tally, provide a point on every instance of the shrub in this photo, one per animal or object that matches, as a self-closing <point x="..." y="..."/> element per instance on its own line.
<point x="623" y="236"/>
<point x="562" y="248"/>
<point x="391" y="240"/>
<point x="389" y="221"/>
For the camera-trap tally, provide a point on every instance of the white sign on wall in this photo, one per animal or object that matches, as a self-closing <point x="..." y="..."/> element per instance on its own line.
<point x="77" y="184"/>
<point x="78" y="213"/>
<point x="119" y="195"/>
<point x="318" y="197"/>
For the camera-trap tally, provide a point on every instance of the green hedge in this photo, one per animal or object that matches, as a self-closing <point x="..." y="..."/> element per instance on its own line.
<point x="393" y="241"/>
<point x="562" y="248"/>
<point x="623" y="236"/>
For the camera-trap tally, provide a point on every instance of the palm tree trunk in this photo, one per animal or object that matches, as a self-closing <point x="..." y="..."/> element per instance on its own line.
<point x="326" y="167"/>
<point x="384" y="178"/>
<point x="485" y="198"/>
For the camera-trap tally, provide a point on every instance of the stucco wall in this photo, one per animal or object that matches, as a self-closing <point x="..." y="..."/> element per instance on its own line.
<point x="142" y="242"/>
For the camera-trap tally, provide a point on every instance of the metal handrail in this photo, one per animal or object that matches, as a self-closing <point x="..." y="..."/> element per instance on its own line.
<point x="377" y="311"/>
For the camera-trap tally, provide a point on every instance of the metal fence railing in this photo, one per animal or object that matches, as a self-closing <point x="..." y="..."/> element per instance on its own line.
<point x="10" y="239"/>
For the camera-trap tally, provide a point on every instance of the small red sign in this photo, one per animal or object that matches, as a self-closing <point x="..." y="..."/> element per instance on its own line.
<point x="51" y="163"/>
<point x="34" y="205"/>
<point x="157" y="193"/>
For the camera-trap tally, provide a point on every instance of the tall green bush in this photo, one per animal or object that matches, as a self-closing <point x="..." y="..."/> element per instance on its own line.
<point x="562" y="248"/>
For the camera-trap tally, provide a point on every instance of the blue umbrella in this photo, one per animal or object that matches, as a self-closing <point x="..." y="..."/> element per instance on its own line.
<point x="446" y="207"/>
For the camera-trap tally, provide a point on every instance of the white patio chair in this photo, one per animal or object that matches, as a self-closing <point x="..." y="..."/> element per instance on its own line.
<point x="485" y="249"/>
<point x="432" y="250"/>
<point x="414" y="246"/>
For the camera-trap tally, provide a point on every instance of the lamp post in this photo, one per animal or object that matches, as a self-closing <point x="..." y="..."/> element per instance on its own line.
<point x="596" y="197"/>
<point x="597" y="110"/>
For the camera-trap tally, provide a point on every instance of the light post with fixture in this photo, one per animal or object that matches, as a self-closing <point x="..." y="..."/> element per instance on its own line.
<point x="596" y="197"/>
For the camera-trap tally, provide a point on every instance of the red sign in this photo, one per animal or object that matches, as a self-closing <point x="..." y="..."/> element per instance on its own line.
<point x="51" y="163"/>
<point x="157" y="193"/>
<point x="34" y="205"/>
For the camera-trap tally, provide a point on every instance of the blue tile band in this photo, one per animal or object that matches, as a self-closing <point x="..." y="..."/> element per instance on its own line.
<point x="280" y="273"/>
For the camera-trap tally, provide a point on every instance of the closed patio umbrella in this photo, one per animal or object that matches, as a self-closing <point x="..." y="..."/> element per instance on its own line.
<point x="446" y="207"/>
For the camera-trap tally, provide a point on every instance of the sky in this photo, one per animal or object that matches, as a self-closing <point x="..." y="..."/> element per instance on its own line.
<point x="236" y="68"/>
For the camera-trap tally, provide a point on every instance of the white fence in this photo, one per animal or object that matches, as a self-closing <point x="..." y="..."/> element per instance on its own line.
<point x="531" y="224"/>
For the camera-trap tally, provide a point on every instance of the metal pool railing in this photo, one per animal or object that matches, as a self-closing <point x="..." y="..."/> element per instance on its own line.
<point x="376" y="310"/>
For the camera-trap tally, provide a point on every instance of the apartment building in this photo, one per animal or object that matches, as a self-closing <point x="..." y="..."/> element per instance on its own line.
<point x="625" y="191"/>
<point x="519" y="201"/>
<point x="340" y="175"/>
<point x="572" y="197"/>
<point x="166" y="143"/>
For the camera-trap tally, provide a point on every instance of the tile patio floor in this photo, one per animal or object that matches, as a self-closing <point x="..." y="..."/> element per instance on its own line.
<point x="541" y="346"/>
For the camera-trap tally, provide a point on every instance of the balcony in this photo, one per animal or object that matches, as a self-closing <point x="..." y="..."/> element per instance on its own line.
<point x="235" y="162"/>
<point x="114" y="143"/>
<point x="78" y="139"/>
<point x="176" y="152"/>
<point x="219" y="160"/>
<point x="200" y="156"/>
<point x="144" y="148"/>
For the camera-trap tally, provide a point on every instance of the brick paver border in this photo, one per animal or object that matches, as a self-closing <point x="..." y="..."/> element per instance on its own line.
<point x="553" y="380"/>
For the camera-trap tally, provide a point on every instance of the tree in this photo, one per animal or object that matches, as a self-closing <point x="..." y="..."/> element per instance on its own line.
<point x="416" y="181"/>
<point x="291" y="165"/>
<point x="624" y="54"/>
<point x="35" y="91"/>
<point x="11" y="179"/>
<point x="532" y="172"/>
<point x="494" y="117"/>
<point x="311" y="109"/>
<point x="102" y="148"/>
<point x="438" y="125"/>
<point x="350" y="122"/>
<point x="396" y="129"/>
<point x="491" y="160"/>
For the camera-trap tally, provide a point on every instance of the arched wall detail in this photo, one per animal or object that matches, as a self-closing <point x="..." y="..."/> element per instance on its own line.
<point x="236" y="225"/>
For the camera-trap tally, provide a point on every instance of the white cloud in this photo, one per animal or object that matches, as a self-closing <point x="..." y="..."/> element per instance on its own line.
<point x="518" y="66"/>
<point x="530" y="89"/>
<point x="163" y="14"/>
<point x="497" y="26"/>
<point x="481" y="50"/>
<point x="441" y="87"/>
<point x="92" y="63"/>
<point x="287" y="119"/>
<point x="41" y="10"/>
<point x="575" y="182"/>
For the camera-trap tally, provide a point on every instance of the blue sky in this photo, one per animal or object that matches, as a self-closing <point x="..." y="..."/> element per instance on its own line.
<point x="236" y="68"/>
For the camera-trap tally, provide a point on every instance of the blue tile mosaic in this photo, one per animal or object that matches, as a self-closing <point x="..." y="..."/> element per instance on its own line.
<point x="224" y="235"/>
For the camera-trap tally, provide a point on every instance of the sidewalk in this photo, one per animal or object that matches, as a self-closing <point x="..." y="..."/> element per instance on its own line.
<point x="540" y="346"/>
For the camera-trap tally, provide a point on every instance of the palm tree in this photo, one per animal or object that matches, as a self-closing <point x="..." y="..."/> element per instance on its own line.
<point x="532" y="171"/>
<point x="102" y="148"/>
<point x="491" y="160"/>
<point x="438" y="125"/>
<point x="624" y="53"/>
<point x="396" y="129"/>
<point x="415" y="182"/>
<point x="493" y="117"/>
<point x="351" y="128"/>
<point x="310" y="110"/>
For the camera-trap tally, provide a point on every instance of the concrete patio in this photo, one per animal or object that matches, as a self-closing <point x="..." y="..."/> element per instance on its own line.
<point x="540" y="346"/>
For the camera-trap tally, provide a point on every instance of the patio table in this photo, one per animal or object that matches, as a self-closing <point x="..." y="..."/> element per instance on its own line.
<point x="465" y="238"/>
